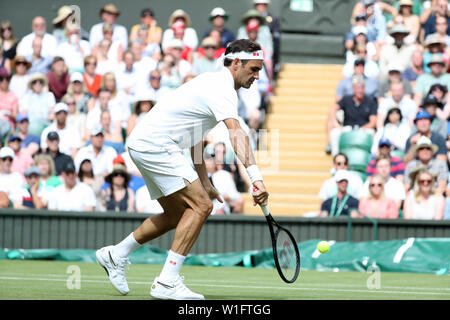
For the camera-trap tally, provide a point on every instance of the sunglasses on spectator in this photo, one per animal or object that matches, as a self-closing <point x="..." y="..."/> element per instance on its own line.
<point x="118" y="174"/>
<point x="90" y="62"/>
<point x="361" y="51"/>
<point x="4" y="78"/>
<point x="18" y="63"/>
<point x="6" y="28"/>
<point x="155" y="77"/>
<point x="37" y="81"/>
<point x="425" y="181"/>
<point x="210" y="47"/>
<point x="7" y="159"/>
<point x="375" y="185"/>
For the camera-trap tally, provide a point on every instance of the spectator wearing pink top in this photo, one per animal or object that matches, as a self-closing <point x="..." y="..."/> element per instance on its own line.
<point x="22" y="159"/>
<point x="376" y="204"/>
<point x="9" y="103"/>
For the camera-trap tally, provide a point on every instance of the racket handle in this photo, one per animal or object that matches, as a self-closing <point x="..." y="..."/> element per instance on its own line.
<point x="264" y="209"/>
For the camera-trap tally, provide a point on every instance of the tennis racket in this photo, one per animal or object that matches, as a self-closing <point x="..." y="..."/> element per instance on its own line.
<point x="285" y="249"/>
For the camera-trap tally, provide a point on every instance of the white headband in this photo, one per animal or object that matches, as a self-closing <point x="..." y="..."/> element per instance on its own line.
<point x="256" y="55"/>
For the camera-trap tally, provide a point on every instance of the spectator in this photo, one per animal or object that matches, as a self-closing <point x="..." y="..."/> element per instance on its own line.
<point x="394" y="75"/>
<point x="431" y="105"/>
<point x="9" y="104"/>
<point x="145" y="204"/>
<point x="104" y="63"/>
<point x="409" y="19"/>
<point x="58" y="78"/>
<point x="345" y="86"/>
<point x="38" y="26"/>
<point x="48" y="178"/>
<point x="75" y="119"/>
<point x="19" y="81"/>
<point x="118" y="196"/>
<point x="91" y="79"/>
<point x="115" y="49"/>
<point x="154" y="34"/>
<point x="359" y="55"/>
<point x="39" y="64"/>
<point x="376" y="22"/>
<point x="143" y="63"/>
<point x="113" y="132"/>
<point x="174" y="48"/>
<point x="86" y="175"/>
<point x="8" y="42"/>
<point x="72" y="195"/>
<point x="118" y="98"/>
<point x="4" y="201"/>
<point x="22" y="159"/>
<point x="207" y="62"/>
<point x="102" y="155"/>
<point x="144" y="103"/>
<point x="148" y="49"/>
<point x="360" y="39"/>
<point x="384" y="149"/>
<point x="218" y="17"/>
<point x="154" y="85"/>
<point x="127" y="76"/>
<point x="69" y="137"/>
<point x="434" y="45"/>
<point x="32" y="196"/>
<point x="38" y="102"/>
<point x="109" y="14"/>
<point x="190" y="38"/>
<point x="136" y="180"/>
<point x="74" y="50"/>
<point x="399" y="53"/>
<point x="415" y="70"/>
<point x="342" y="203"/>
<point x="426" y="80"/>
<point x="59" y="159"/>
<point x="178" y="33"/>
<point x="397" y="99"/>
<point x="10" y="182"/>
<point x="424" y="151"/>
<point x="392" y="187"/>
<point x="440" y="93"/>
<point x="84" y="100"/>
<point x="360" y="111"/>
<point x="64" y="19"/>
<point x="441" y="26"/>
<point x="423" y="202"/>
<point x="30" y="142"/>
<point x="423" y="123"/>
<point x="329" y="188"/>
<point x="428" y="17"/>
<point x="170" y="76"/>
<point x="377" y="205"/>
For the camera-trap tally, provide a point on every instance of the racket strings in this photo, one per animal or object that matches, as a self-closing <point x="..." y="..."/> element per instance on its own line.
<point x="286" y="254"/>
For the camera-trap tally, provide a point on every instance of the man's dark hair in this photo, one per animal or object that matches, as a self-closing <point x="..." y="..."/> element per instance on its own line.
<point x="240" y="45"/>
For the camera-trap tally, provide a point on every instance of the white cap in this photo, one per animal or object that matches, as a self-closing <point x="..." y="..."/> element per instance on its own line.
<point x="97" y="129"/>
<point x="261" y="1"/>
<point x="359" y="29"/>
<point x="61" y="106"/>
<point x="218" y="12"/>
<point x="6" y="152"/>
<point x="76" y="76"/>
<point x="341" y="175"/>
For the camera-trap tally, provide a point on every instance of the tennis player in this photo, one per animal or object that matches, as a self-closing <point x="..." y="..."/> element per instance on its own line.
<point x="180" y="120"/>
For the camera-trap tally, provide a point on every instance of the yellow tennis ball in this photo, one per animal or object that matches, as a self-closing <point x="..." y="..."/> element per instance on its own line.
<point x="323" y="246"/>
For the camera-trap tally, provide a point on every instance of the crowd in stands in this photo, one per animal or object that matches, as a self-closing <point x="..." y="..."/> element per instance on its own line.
<point x="69" y="98"/>
<point x="394" y="90"/>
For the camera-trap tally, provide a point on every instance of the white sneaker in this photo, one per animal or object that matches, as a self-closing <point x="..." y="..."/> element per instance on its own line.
<point x="173" y="290"/>
<point x="114" y="267"/>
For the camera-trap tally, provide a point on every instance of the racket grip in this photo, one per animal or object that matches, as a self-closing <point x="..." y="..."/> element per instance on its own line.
<point x="264" y="209"/>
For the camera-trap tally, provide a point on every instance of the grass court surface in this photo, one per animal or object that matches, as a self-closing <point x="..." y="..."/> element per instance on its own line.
<point x="31" y="279"/>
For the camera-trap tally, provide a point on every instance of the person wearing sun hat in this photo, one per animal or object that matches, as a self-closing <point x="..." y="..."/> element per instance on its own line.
<point x="20" y="76"/>
<point x="190" y="38"/>
<point x="109" y="14"/>
<point x="118" y="196"/>
<point x="218" y="16"/>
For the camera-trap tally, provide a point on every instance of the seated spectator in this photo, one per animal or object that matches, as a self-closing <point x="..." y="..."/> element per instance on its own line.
<point x="345" y="86"/>
<point x="9" y="104"/>
<point x="399" y="53"/>
<point x="84" y="100"/>
<point x="22" y="159"/>
<point x="115" y="49"/>
<point x="174" y="48"/>
<point x="143" y="63"/>
<point x="128" y="76"/>
<point x="170" y="75"/>
<point x="342" y="203"/>
<point x="74" y="50"/>
<point x="108" y="15"/>
<point x="101" y="155"/>
<point x="416" y="69"/>
<point x="8" y="42"/>
<point x="86" y="175"/>
<point x="359" y="20"/>
<point x="377" y="205"/>
<point x="10" y="182"/>
<point x="69" y="137"/>
<point x="65" y="18"/>
<point x="190" y="38"/>
<point x="426" y="80"/>
<point x="39" y="63"/>
<point x="384" y="149"/>
<point x="58" y="78"/>
<point x="38" y="26"/>
<point x="154" y="34"/>
<point x="441" y="26"/>
<point x="91" y="79"/>
<point x="423" y="124"/>
<point x="38" y="102"/>
<point x="359" y="57"/>
<point x="361" y="39"/>
<point x="218" y="17"/>
<point x="136" y="180"/>
<point x="376" y="22"/>
<point x="178" y="33"/>
<point x="48" y="178"/>
<point x="434" y="45"/>
<point x="72" y="195"/>
<point x="153" y="84"/>
<point x="118" y="99"/>
<point x="429" y="15"/>
<point x="431" y="105"/>
<point x="20" y="79"/>
<point x="440" y="93"/>
<point x="409" y="19"/>
<point x="148" y="49"/>
<point x="75" y="119"/>
<point x="144" y="103"/>
<point x="424" y="151"/>
<point x="112" y="131"/>
<point x="329" y="188"/>
<point x="423" y="202"/>
<point x="145" y="204"/>
<point x="30" y="142"/>
<point x="118" y="196"/>
<point x="32" y="196"/>
<point x="59" y="159"/>
<point x="394" y="75"/>
<point x="104" y="63"/>
<point x="360" y="111"/>
<point x="392" y="187"/>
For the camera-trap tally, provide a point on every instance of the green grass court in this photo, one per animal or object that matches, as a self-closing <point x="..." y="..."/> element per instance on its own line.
<point x="26" y="279"/>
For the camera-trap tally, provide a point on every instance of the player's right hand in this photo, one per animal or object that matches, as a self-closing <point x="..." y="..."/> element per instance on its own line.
<point x="260" y="194"/>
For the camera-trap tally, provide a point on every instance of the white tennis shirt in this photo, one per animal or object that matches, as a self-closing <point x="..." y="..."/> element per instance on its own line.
<point x="180" y="119"/>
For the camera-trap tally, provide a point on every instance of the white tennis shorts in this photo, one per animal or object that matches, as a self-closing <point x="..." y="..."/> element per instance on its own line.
<point x="163" y="172"/>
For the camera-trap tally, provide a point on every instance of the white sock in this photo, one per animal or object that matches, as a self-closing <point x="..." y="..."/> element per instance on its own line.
<point x="172" y="266"/>
<point x="126" y="246"/>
